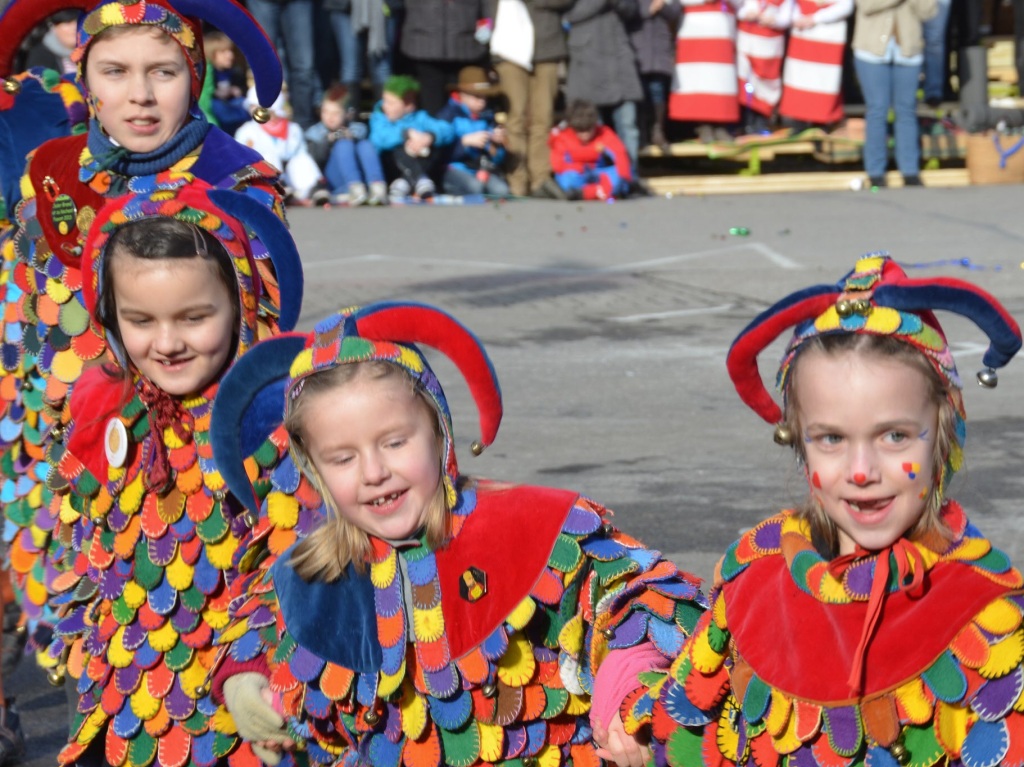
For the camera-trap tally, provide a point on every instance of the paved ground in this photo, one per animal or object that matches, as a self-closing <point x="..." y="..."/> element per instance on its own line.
<point x="608" y="326"/>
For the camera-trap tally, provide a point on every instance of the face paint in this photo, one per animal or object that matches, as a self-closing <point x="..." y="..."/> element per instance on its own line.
<point x="923" y="435"/>
<point x="912" y="469"/>
<point x="816" y="480"/>
<point x="860" y="478"/>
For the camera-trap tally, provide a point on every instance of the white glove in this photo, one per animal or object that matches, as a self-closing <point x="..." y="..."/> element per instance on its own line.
<point x="255" y="719"/>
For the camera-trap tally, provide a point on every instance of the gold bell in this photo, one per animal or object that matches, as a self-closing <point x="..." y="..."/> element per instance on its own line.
<point x="203" y="690"/>
<point x="250" y="519"/>
<point x="862" y="306"/>
<point x="899" y="752"/>
<point x="844" y="307"/>
<point x="489" y="690"/>
<point x="530" y="761"/>
<point x="988" y="378"/>
<point x="609" y="633"/>
<point x="372" y="717"/>
<point x="261" y="114"/>
<point x="12" y="87"/>
<point x="477" y="447"/>
<point x="56" y="676"/>
<point x="218" y="495"/>
<point x="783" y="435"/>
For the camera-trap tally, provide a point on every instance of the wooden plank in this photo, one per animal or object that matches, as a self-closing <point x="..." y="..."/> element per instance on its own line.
<point x="792" y="182"/>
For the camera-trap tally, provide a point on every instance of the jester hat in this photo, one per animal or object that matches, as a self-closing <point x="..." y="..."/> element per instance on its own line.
<point x="875" y="298"/>
<point x="257" y="391"/>
<point x="221" y="213"/>
<point x="180" y="19"/>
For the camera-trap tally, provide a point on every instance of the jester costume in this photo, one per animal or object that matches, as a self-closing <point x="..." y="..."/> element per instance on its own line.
<point x="911" y="655"/>
<point x="474" y="652"/>
<point x="45" y="334"/>
<point x="149" y="527"/>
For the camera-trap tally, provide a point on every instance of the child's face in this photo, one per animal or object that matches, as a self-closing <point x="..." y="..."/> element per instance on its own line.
<point x="224" y="58"/>
<point x="869" y="426"/>
<point x="176" y="319"/>
<point x="473" y="102"/>
<point x="332" y="115"/>
<point x="395" y="107"/>
<point x="66" y="33"/>
<point x="142" y="86"/>
<point x="586" y="136"/>
<point x="376" y="448"/>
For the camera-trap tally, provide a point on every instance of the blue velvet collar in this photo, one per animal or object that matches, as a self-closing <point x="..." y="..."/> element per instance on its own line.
<point x="312" y="612"/>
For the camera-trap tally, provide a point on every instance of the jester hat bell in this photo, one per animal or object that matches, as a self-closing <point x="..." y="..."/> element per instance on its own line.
<point x="180" y="19"/>
<point x="875" y="298"/>
<point x="221" y="213"/>
<point x="258" y="390"/>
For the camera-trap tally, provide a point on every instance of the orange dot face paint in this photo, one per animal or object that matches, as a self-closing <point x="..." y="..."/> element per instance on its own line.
<point x="912" y="469"/>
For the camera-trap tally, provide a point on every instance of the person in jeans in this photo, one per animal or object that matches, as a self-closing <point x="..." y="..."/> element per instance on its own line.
<point x="291" y="22"/>
<point x="935" y="54"/>
<point x="365" y="32"/>
<point x="531" y="95"/>
<point x="344" y="153"/>
<point x="477" y="159"/>
<point x="887" y="53"/>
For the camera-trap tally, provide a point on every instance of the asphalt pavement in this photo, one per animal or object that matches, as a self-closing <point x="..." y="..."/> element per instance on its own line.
<point x="608" y="326"/>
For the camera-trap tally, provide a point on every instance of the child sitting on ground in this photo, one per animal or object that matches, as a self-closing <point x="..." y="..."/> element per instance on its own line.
<point x="477" y="158"/>
<point x="408" y="139"/>
<point x="873" y="624"/>
<point x="588" y="159"/>
<point x="281" y="143"/>
<point x="348" y="159"/>
<point x="400" y="629"/>
<point x="228" y="103"/>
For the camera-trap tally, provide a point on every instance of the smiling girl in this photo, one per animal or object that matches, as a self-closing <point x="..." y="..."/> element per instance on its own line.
<point x="429" y="618"/>
<point x="875" y="624"/>
<point x="138" y="500"/>
<point x="140" y="65"/>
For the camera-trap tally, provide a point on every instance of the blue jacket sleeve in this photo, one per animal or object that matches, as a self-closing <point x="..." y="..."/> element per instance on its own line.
<point x="384" y="134"/>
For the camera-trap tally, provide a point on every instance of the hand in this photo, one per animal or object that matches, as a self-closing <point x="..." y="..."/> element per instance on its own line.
<point x="499" y="135"/>
<point x="614" y="745"/>
<point x="803" y="22"/>
<point x="249" y="700"/>
<point x="477" y="139"/>
<point x="656" y="5"/>
<point x="417" y="141"/>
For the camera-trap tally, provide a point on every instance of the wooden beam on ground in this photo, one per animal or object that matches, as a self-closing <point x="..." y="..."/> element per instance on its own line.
<point x="793" y="182"/>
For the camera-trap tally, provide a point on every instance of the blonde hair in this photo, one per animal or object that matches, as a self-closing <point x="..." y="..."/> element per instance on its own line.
<point x="823" y="529"/>
<point x="328" y="550"/>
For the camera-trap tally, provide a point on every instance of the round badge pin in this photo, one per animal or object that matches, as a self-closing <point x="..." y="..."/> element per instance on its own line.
<point x="116" y="442"/>
<point x="64" y="213"/>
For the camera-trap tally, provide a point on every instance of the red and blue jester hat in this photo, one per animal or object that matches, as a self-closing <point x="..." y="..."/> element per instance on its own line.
<point x="249" y="407"/>
<point x="181" y="19"/>
<point x="876" y="298"/>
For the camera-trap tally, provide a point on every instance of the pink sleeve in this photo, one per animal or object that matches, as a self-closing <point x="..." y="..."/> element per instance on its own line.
<point x="617" y="677"/>
<point x="229" y="668"/>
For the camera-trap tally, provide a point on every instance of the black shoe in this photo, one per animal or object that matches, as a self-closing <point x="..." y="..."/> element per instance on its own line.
<point x="912" y="181"/>
<point x="12" y="739"/>
<point x="640" y="188"/>
<point x="13" y="640"/>
<point x="877" y="181"/>
<point x="549" y="190"/>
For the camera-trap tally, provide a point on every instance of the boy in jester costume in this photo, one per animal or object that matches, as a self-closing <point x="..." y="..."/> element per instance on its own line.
<point x="874" y="625"/>
<point x="140" y="66"/>
<point x="429" y="619"/>
<point x="149" y="528"/>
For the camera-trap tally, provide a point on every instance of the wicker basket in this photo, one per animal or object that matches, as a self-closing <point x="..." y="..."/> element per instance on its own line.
<point x="995" y="158"/>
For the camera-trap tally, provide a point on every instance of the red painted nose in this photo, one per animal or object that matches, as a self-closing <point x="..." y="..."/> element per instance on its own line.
<point x="859" y="478"/>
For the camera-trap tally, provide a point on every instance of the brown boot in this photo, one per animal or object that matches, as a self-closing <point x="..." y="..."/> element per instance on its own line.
<point x="658" y="129"/>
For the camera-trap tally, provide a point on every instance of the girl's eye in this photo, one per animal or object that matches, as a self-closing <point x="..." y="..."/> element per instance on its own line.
<point x="396" y="443"/>
<point x="897" y="437"/>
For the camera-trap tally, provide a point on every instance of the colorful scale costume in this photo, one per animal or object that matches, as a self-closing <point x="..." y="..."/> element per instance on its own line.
<point x="774" y="673"/>
<point x="491" y="655"/>
<point x="45" y="336"/>
<point x="148" y="524"/>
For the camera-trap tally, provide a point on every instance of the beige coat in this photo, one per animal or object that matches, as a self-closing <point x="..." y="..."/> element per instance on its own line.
<point x="878" y="20"/>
